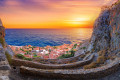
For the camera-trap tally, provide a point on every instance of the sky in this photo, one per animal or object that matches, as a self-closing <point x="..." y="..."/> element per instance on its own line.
<point x="50" y="13"/>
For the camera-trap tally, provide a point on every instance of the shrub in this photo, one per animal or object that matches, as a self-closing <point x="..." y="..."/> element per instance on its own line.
<point x="29" y="59"/>
<point x="66" y="56"/>
<point x="101" y="59"/>
<point x="35" y="55"/>
<point x="72" y="52"/>
<point x="91" y="65"/>
<point x="74" y="45"/>
<point x="9" y="57"/>
<point x="20" y="56"/>
<point x="99" y="62"/>
<point x="21" y="49"/>
<point x="2" y="41"/>
<point x="83" y="48"/>
<point x="82" y="56"/>
<point x="102" y="53"/>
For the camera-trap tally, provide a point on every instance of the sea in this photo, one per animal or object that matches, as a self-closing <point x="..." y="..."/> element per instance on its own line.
<point x="44" y="37"/>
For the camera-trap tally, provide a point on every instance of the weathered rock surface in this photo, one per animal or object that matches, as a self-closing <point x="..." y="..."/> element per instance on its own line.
<point x="2" y="30"/>
<point x="106" y="33"/>
<point x="4" y="65"/>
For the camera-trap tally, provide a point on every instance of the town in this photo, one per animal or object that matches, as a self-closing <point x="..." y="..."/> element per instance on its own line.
<point x="48" y="52"/>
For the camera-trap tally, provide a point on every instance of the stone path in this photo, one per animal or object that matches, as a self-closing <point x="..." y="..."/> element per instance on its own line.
<point x="4" y="66"/>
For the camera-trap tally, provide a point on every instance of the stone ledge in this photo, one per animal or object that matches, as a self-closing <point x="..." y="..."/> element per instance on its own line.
<point x="5" y="67"/>
<point x="73" y="74"/>
<point x="18" y="62"/>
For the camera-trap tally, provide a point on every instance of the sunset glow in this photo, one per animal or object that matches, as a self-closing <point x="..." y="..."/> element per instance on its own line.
<point x="50" y="13"/>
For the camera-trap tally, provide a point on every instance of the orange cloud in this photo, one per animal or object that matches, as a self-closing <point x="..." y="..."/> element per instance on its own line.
<point x="50" y="13"/>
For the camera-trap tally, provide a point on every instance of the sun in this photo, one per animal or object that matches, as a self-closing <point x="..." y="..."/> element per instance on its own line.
<point x="77" y="21"/>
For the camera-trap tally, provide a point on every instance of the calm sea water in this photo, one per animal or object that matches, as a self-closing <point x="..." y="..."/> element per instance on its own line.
<point x="44" y="37"/>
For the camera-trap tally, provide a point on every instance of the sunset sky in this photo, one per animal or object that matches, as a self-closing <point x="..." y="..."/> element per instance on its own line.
<point x="50" y="13"/>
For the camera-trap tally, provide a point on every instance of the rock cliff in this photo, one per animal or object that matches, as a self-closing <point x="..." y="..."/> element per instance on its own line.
<point x="2" y="30"/>
<point x="106" y="32"/>
<point x="4" y="65"/>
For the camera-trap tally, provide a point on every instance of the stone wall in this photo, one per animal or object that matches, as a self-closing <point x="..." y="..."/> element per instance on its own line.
<point x="73" y="73"/>
<point x="58" y="61"/>
<point x="18" y="62"/>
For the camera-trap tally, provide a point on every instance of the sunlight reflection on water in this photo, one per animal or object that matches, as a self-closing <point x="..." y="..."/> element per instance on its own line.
<point x="44" y="37"/>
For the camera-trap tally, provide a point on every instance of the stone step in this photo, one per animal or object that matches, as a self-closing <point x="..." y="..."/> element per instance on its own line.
<point x="4" y="78"/>
<point x="3" y="62"/>
<point x="5" y="67"/>
<point x="4" y="72"/>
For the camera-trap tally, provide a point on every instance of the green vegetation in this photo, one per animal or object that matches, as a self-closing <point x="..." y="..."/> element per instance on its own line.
<point x="72" y="52"/>
<point x="29" y="59"/>
<point x="101" y="59"/>
<point x="75" y="45"/>
<point x="91" y="65"/>
<point x="27" y="52"/>
<point x="49" y="50"/>
<point x="2" y="41"/>
<point x="35" y="55"/>
<point x="21" y="49"/>
<point x="9" y="57"/>
<point x="83" y="48"/>
<point x="55" y="47"/>
<point x="117" y="33"/>
<point x="99" y="62"/>
<point x="82" y="56"/>
<point x="47" y="54"/>
<point x="20" y="56"/>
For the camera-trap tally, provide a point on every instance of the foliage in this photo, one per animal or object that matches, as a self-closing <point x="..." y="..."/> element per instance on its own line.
<point x="67" y="55"/>
<point x="35" y="55"/>
<point x="29" y="59"/>
<point x="82" y="56"/>
<point x="27" y="52"/>
<point x="2" y="41"/>
<point x="75" y="45"/>
<point x="49" y="50"/>
<point x="47" y="54"/>
<point x="91" y="65"/>
<point x="83" y="48"/>
<point x="101" y="59"/>
<point x="72" y="51"/>
<point x="55" y="47"/>
<point x="21" y="49"/>
<point x="20" y="56"/>
<point x="99" y="62"/>
<point x="9" y="57"/>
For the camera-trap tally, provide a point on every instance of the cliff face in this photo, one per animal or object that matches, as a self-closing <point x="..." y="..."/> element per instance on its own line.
<point x="2" y="30"/>
<point x="106" y="33"/>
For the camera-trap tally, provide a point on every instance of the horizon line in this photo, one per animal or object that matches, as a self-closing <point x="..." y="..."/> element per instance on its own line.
<point x="48" y="28"/>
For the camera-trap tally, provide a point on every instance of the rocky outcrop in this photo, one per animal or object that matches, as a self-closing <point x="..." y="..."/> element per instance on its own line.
<point x="2" y="30"/>
<point x="106" y="33"/>
<point x="4" y="65"/>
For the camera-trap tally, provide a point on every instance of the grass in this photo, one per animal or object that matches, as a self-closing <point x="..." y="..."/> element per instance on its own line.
<point x="91" y="65"/>
<point x="2" y="41"/>
<point x="82" y="56"/>
<point x="100" y="61"/>
<point x="83" y="48"/>
<point x="72" y="52"/>
<point x="9" y="57"/>
<point x="20" y="56"/>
